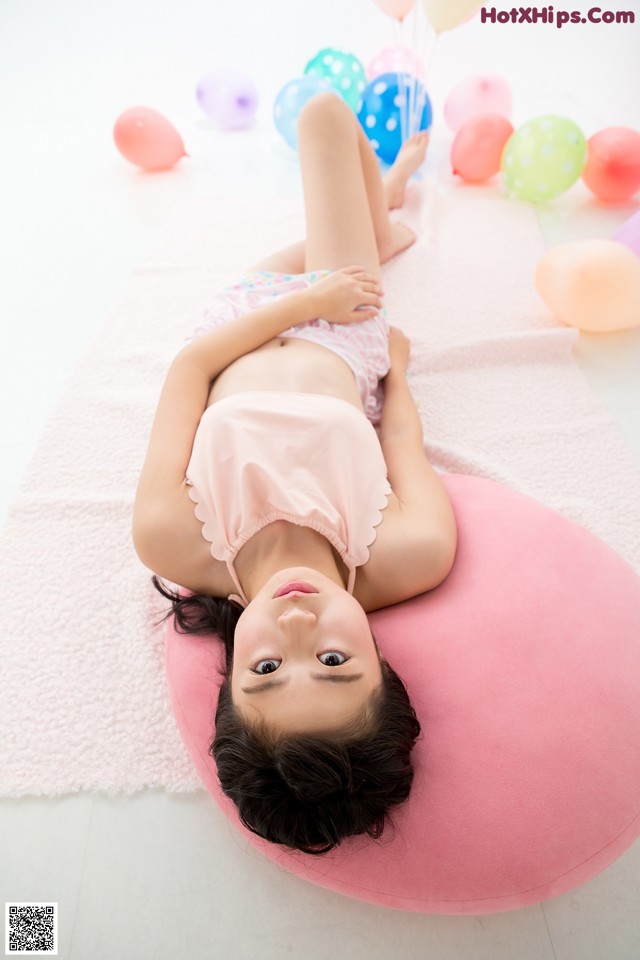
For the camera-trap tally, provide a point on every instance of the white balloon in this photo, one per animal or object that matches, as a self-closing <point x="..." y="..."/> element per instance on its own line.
<point x="447" y="14"/>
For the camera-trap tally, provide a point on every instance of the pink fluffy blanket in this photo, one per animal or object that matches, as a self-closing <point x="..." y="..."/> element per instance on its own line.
<point x="84" y="703"/>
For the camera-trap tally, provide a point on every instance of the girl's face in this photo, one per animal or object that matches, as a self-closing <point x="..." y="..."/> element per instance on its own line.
<point x="303" y="661"/>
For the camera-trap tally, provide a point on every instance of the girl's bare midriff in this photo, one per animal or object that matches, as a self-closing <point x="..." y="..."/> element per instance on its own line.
<point x="290" y="366"/>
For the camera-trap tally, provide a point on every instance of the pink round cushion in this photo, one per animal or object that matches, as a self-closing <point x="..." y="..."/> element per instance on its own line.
<point x="524" y="669"/>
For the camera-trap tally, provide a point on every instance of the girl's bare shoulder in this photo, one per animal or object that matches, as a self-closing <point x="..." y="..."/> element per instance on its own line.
<point x="169" y="542"/>
<point x="404" y="561"/>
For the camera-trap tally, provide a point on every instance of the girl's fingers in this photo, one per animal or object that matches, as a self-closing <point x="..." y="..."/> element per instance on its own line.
<point x="358" y="316"/>
<point x="366" y="278"/>
<point x="373" y="287"/>
<point x="365" y="274"/>
<point x="374" y="299"/>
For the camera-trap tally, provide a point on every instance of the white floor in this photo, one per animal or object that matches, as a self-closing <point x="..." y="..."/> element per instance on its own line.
<point x="158" y="875"/>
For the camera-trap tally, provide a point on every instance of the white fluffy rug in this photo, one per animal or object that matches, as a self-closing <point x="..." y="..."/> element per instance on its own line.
<point x="84" y="704"/>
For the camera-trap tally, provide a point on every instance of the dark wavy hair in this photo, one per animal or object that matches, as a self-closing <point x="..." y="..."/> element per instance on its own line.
<point x="307" y="792"/>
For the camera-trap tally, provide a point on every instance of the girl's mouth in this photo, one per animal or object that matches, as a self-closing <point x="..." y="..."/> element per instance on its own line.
<point x="297" y="586"/>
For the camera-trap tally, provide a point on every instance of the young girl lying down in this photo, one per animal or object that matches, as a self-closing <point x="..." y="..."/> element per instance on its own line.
<point x="269" y="495"/>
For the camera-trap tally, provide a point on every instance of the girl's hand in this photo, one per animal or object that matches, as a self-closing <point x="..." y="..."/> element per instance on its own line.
<point x="399" y="350"/>
<point x="349" y="295"/>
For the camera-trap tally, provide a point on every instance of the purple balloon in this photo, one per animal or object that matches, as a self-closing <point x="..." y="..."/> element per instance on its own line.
<point x="229" y="97"/>
<point x="629" y="233"/>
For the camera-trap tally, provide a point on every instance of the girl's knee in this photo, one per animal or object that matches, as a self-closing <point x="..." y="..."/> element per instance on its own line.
<point x="323" y="107"/>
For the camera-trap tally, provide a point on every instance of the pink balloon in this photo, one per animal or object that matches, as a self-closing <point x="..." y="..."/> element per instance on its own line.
<point x="629" y="233"/>
<point x="228" y="96"/>
<point x="148" y="139"/>
<point x="396" y="60"/>
<point x="612" y="170"/>
<point x="395" y="8"/>
<point x="477" y="146"/>
<point x="481" y="93"/>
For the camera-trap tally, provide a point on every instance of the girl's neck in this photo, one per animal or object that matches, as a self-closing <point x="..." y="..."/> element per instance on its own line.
<point x="280" y="546"/>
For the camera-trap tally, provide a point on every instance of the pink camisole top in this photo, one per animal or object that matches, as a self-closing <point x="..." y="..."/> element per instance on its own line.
<point x="310" y="459"/>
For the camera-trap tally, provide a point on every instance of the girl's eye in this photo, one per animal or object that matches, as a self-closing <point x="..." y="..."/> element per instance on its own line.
<point x="334" y="659"/>
<point x="266" y="666"/>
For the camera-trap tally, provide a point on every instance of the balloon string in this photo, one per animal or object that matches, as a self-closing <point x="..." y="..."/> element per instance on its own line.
<point x="418" y="49"/>
<point x="425" y="57"/>
<point x="433" y="40"/>
<point x="408" y="75"/>
<point x="414" y="51"/>
<point x="399" y="42"/>
<point x="394" y="28"/>
<point x="430" y="42"/>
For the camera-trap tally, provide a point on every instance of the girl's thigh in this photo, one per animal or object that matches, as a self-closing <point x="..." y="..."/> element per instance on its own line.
<point x="340" y="230"/>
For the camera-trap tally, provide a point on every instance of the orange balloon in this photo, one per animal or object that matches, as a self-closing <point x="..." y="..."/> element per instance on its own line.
<point x="477" y="146"/>
<point x="591" y="284"/>
<point x="612" y="170"/>
<point x="148" y="139"/>
<point x="398" y="9"/>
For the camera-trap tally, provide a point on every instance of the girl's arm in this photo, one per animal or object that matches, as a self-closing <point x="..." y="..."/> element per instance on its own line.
<point x="417" y="540"/>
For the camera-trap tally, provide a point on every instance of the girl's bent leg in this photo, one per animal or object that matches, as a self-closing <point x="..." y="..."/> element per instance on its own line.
<point x="340" y="225"/>
<point x="383" y="194"/>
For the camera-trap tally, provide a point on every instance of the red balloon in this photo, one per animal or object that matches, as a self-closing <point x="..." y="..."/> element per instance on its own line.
<point x="148" y="139"/>
<point x="612" y="170"/>
<point x="477" y="146"/>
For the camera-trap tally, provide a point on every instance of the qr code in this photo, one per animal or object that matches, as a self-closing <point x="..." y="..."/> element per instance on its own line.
<point x="31" y="929"/>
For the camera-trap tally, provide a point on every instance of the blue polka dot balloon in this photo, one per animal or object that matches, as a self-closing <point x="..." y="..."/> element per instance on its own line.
<point x="385" y="101"/>
<point x="290" y="102"/>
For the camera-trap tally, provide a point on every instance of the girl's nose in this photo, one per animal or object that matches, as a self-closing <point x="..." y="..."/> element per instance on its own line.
<point x="296" y="617"/>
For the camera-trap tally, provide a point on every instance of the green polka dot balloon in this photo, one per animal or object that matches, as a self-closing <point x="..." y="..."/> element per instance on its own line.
<point x="343" y="71"/>
<point x="543" y="158"/>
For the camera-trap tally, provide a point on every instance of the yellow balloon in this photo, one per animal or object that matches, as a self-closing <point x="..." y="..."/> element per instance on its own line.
<point x="447" y="14"/>
<point x="591" y="284"/>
